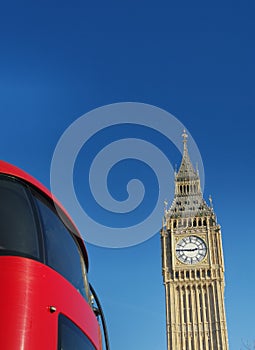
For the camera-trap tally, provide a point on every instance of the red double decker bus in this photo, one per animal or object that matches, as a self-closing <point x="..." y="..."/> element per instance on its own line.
<point x="45" y="296"/>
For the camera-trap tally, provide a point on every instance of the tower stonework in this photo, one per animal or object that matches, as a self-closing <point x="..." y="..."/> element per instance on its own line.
<point x="193" y="267"/>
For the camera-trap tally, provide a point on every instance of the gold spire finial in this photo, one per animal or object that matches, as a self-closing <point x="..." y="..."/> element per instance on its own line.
<point x="185" y="136"/>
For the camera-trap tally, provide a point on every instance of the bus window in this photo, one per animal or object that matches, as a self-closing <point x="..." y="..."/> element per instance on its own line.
<point x="18" y="229"/>
<point x="71" y="337"/>
<point x="62" y="252"/>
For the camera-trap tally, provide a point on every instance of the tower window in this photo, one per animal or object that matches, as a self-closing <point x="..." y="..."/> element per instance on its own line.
<point x="184" y="305"/>
<point x="201" y="305"/>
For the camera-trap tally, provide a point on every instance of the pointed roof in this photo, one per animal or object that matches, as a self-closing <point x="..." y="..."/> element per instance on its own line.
<point x="186" y="170"/>
<point x="188" y="200"/>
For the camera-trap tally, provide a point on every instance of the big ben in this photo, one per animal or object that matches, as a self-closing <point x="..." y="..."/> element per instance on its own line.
<point x="193" y="266"/>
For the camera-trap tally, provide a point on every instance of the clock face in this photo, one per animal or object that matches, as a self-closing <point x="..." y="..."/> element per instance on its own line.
<point x="191" y="250"/>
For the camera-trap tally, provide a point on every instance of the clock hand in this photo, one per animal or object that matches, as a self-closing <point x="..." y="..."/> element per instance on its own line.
<point x="187" y="250"/>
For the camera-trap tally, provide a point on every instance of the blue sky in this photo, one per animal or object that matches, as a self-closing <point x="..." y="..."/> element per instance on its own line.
<point x="195" y="60"/>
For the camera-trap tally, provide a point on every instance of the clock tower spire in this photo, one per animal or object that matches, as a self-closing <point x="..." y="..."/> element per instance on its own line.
<point x="192" y="266"/>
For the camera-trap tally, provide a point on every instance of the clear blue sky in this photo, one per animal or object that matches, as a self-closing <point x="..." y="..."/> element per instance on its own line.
<point x="61" y="59"/>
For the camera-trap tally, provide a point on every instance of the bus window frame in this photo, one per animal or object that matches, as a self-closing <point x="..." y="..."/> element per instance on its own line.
<point x="33" y="194"/>
<point x="39" y="233"/>
<point x="66" y="321"/>
<point x="54" y="208"/>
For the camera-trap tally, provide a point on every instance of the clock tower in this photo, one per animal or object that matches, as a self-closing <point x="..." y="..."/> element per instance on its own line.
<point x="192" y="267"/>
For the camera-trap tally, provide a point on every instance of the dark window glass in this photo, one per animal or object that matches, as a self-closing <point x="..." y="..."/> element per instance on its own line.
<point x="18" y="229"/>
<point x="62" y="251"/>
<point x="71" y="337"/>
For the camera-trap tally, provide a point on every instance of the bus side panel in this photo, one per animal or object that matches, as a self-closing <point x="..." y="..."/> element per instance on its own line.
<point x="28" y="290"/>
